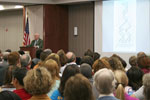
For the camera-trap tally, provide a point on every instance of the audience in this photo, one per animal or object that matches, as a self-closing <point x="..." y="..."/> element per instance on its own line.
<point x="134" y="75"/>
<point x="86" y="71"/>
<point x="78" y="88"/>
<point x="52" y="67"/>
<point x="133" y="61"/>
<point x="104" y="81"/>
<point x="56" y="76"/>
<point x="146" y="83"/>
<point x="14" y="59"/>
<point x="122" y="82"/>
<point x="69" y="71"/>
<point x="71" y="60"/>
<point x="37" y="58"/>
<point x="88" y="60"/>
<point x="99" y="64"/>
<point x="25" y="61"/>
<point x="9" y="95"/>
<point x="38" y="83"/>
<point x="3" y="67"/>
<point x="18" y="76"/>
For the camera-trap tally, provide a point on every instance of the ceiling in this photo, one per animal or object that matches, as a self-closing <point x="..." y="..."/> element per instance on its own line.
<point x="31" y="2"/>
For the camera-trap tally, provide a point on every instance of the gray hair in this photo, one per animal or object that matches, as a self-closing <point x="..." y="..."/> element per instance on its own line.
<point x="25" y="60"/>
<point x="104" y="81"/>
<point x="71" y="57"/>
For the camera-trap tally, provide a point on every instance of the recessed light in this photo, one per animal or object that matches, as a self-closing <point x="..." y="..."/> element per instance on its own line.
<point x="1" y="7"/>
<point x="18" y="6"/>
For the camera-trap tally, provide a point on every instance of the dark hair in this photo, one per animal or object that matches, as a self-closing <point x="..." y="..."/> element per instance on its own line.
<point x="38" y="53"/>
<point x="78" y="60"/>
<point x="13" y="58"/>
<point x="62" y="57"/>
<point x="8" y="75"/>
<point x="69" y="71"/>
<point x="88" y="60"/>
<point x="78" y="88"/>
<point x="44" y="55"/>
<point x="88" y="53"/>
<point x="21" y="52"/>
<point x="143" y="62"/>
<point x="135" y="75"/>
<point x="8" y="95"/>
<point x="122" y="61"/>
<point x="8" y="50"/>
<point x="19" y="74"/>
<point x="86" y="70"/>
<point x="133" y="61"/>
<point x="96" y="56"/>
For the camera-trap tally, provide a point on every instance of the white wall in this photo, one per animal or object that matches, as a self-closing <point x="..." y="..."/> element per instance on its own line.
<point x="98" y="35"/>
<point x="35" y="16"/>
<point x="11" y="29"/>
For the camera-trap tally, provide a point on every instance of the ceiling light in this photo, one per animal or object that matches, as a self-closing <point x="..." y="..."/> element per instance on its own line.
<point x="1" y="7"/>
<point x="18" y="6"/>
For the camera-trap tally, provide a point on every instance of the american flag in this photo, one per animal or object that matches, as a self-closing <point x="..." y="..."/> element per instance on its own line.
<point x="26" y="38"/>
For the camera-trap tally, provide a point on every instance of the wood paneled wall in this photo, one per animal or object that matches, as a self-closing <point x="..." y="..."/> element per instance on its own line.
<point x="56" y="27"/>
<point x="81" y="16"/>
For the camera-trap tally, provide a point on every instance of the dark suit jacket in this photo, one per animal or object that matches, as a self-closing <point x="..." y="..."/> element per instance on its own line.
<point x="39" y="43"/>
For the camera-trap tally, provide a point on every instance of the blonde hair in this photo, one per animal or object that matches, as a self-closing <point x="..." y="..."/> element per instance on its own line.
<point x="122" y="81"/>
<point x="38" y="81"/>
<point x="52" y="67"/>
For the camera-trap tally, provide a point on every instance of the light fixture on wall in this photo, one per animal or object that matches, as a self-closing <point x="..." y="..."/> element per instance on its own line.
<point x="1" y="7"/>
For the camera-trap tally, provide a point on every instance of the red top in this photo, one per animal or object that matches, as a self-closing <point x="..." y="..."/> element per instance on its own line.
<point x="22" y="94"/>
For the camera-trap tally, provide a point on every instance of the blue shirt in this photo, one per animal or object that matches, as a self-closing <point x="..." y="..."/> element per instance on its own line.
<point x="56" y="95"/>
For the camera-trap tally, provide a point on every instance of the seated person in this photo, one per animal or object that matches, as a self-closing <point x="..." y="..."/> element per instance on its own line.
<point x="18" y="76"/>
<point x="78" y="87"/>
<point x="8" y="95"/>
<point x="38" y="83"/>
<point x="104" y="81"/>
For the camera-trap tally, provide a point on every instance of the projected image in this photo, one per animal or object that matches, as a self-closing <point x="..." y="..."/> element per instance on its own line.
<point x="126" y="26"/>
<point x="124" y="37"/>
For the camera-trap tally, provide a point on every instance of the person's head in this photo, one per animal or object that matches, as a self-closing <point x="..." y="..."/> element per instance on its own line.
<point x="135" y="75"/>
<point x="141" y="54"/>
<point x="25" y="60"/>
<point x="115" y="64"/>
<point x="99" y="64"/>
<point x="8" y="74"/>
<point x="88" y="60"/>
<point x="71" y="57"/>
<point x="86" y="70"/>
<point x="36" y="36"/>
<point x="5" y="55"/>
<point x="49" y="51"/>
<point x="69" y="71"/>
<point x="122" y="82"/>
<point x="96" y="56"/>
<point x="18" y="76"/>
<point x="44" y="55"/>
<point x="88" y="53"/>
<point x="122" y="61"/>
<point x="9" y="95"/>
<point x="52" y="67"/>
<point x="104" y="81"/>
<point x="143" y="62"/>
<point x="21" y="52"/>
<point x="38" y="81"/>
<point x="133" y="61"/>
<point x="146" y="83"/>
<point x="8" y="50"/>
<point x="55" y="57"/>
<point x="38" y="53"/>
<point x="13" y="58"/>
<point x="62" y="56"/>
<point x="78" y="88"/>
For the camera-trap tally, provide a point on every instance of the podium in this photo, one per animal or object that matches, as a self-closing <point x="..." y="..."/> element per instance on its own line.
<point x="31" y="50"/>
